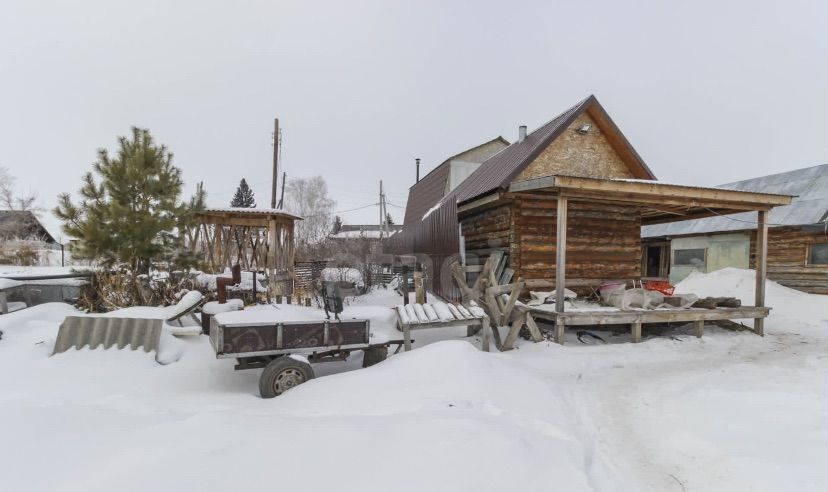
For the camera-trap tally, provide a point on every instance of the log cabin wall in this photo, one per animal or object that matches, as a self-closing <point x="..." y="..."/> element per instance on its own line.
<point x="603" y="241"/>
<point x="486" y="231"/>
<point x="788" y="258"/>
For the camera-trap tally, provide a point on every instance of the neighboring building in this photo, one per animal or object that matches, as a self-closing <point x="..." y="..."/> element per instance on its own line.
<point x="364" y="231"/>
<point x="23" y="226"/>
<point x="430" y="228"/>
<point x="579" y="171"/>
<point x="797" y="240"/>
<point x="440" y="181"/>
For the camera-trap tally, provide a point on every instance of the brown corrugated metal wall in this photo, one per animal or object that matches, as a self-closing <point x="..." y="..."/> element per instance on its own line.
<point x="435" y="241"/>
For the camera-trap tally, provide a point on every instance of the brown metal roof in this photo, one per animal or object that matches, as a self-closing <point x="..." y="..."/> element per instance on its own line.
<point x="426" y="192"/>
<point x="431" y="188"/>
<point x="502" y="168"/>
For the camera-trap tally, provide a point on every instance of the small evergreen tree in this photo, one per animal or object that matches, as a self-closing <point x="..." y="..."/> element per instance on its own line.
<point x="130" y="215"/>
<point x="337" y="225"/>
<point x="388" y="219"/>
<point x="244" y="196"/>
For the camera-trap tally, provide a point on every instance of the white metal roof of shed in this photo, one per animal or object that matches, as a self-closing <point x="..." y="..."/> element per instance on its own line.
<point x="809" y="206"/>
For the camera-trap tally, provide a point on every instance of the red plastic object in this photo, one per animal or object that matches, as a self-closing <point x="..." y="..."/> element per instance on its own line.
<point x="663" y="287"/>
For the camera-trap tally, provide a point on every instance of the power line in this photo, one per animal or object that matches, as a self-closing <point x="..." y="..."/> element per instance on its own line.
<point x="344" y="211"/>
<point x="740" y="220"/>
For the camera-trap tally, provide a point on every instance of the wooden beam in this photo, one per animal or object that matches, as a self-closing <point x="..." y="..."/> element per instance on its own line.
<point x="560" y="330"/>
<point x="761" y="268"/>
<point x="581" y="318"/>
<point x="654" y="188"/>
<point x="485" y="200"/>
<point x="636" y="331"/>
<point x="698" y="328"/>
<point x="560" y="255"/>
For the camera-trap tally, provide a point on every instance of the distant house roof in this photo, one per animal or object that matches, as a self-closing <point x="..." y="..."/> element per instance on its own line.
<point x="18" y="224"/>
<point x="809" y="206"/>
<point x="502" y="168"/>
<point x="370" y="231"/>
<point x="431" y="188"/>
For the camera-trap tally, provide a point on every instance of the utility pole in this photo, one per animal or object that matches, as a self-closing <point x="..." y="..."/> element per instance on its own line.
<point x="381" y="217"/>
<point x="282" y="198"/>
<point x="275" y="162"/>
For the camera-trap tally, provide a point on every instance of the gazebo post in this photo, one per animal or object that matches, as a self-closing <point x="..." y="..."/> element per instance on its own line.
<point x="271" y="257"/>
<point x="761" y="268"/>
<point x="560" y="268"/>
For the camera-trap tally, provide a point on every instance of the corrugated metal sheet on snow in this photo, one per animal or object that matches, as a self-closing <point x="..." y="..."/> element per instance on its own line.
<point x="809" y="206"/>
<point x="94" y="331"/>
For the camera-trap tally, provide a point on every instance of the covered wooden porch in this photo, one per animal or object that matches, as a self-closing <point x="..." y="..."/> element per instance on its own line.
<point x="657" y="203"/>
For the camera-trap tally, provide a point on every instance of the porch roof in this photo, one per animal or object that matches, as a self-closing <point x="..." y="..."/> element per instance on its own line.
<point x="660" y="202"/>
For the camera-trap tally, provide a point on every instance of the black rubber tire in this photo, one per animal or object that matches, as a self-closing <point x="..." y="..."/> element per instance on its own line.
<point x="374" y="355"/>
<point x="283" y="374"/>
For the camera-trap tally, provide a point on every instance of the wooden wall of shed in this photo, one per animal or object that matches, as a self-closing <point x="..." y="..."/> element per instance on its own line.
<point x="486" y="231"/>
<point x="788" y="258"/>
<point x="603" y="241"/>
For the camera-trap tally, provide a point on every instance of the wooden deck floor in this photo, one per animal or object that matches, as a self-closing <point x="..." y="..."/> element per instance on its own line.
<point x="636" y="318"/>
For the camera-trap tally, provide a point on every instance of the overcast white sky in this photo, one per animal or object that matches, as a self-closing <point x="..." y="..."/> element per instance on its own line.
<point x="706" y="91"/>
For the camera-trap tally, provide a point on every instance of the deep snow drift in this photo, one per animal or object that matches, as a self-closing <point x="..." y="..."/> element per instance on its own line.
<point x="731" y="411"/>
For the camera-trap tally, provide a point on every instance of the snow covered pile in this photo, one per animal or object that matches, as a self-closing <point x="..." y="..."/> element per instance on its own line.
<point x="730" y="411"/>
<point x="208" y="280"/>
<point x="790" y="308"/>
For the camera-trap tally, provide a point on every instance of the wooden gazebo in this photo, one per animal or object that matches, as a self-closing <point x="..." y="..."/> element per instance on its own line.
<point x="257" y="239"/>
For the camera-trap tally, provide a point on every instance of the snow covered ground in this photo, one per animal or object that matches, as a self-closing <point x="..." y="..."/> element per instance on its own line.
<point x="731" y="411"/>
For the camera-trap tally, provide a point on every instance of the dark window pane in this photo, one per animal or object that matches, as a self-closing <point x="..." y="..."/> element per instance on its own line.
<point x="819" y="254"/>
<point x="689" y="257"/>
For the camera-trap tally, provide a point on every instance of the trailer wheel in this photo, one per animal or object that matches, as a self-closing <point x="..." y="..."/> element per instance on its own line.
<point x="374" y="355"/>
<point x="283" y="374"/>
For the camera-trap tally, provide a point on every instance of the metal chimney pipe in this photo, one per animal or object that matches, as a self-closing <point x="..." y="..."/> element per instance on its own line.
<point x="521" y="133"/>
<point x="417" y="160"/>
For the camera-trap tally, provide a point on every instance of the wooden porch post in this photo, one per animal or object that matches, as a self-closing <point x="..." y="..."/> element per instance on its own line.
<point x="560" y="268"/>
<point x="761" y="268"/>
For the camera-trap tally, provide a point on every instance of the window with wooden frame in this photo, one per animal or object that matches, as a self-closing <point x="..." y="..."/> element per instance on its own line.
<point x="694" y="257"/>
<point x="818" y="254"/>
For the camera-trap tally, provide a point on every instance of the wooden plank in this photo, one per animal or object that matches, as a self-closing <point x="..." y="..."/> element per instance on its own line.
<point x="560" y="330"/>
<point x="419" y="289"/>
<point x="487" y="334"/>
<point x="514" y="331"/>
<point x="533" y="328"/>
<point x="636" y="331"/>
<point x="407" y="337"/>
<point x="698" y="328"/>
<point x="510" y="304"/>
<point x="560" y="255"/>
<point x="652" y="316"/>
<point x="761" y="268"/>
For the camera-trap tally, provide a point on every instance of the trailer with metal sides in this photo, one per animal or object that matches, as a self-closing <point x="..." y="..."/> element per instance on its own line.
<point x="274" y="345"/>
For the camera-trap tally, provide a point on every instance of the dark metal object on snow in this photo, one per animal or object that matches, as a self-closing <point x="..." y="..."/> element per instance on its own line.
<point x="223" y="282"/>
<point x="332" y="299"/>
<point x="588" y="334"/>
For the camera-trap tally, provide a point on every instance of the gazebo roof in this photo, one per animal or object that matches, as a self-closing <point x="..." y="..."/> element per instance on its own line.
<point x="254" y="214"/>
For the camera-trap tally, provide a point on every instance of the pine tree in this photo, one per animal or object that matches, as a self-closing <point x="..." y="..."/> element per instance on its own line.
<point x="337" y="225"/>
<point x="388" y="219"/>
<point x="244" y="196"/>
<point x="130" y="215"/>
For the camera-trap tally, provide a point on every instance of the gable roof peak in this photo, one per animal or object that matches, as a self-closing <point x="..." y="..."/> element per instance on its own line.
<point x="502" y="168"/>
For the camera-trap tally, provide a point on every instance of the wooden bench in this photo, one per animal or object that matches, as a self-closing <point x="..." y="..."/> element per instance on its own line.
<point x="442" y="315"/>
